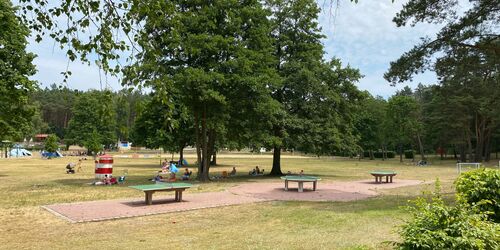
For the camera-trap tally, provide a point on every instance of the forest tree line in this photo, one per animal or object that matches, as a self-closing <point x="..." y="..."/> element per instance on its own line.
<point x="429" y="120"/>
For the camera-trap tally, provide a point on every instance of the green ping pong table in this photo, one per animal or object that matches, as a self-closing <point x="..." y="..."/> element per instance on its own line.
<point x="300" y="180"/>
<point x="149" y="190"/>
<point x="379" y="174"/>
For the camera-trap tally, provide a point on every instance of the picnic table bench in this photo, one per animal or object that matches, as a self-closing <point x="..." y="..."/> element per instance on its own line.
<point x="150" y="189"/>
<point x="379" y="174"/>
<point x="300" y="180"/>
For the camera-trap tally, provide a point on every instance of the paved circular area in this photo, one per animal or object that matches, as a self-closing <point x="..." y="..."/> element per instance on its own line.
<point x="336" y="191"/>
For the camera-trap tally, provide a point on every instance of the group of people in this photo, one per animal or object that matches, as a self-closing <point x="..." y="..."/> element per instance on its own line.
<point x="256" y="171"/>
<point x="170" y="168"/>
<point x="300" y="173"/>
<point x="108" y="180"/>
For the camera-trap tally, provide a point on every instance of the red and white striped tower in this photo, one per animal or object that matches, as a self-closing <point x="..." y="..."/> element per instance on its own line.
<point x="104" y="166"/>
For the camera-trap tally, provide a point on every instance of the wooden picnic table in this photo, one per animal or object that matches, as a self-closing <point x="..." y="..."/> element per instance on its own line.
<point x="380" y="174"/>
<point x="300" y="180"/>
<point x="150" y="189"/>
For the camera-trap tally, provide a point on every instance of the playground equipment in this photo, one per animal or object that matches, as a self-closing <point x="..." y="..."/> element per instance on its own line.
<point x="104" y="166"/>
<point x="461" y="165"/>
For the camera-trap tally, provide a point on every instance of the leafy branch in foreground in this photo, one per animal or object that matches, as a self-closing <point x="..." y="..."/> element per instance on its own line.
<point x="476" y="29"/>
<point x="435" y="225"/>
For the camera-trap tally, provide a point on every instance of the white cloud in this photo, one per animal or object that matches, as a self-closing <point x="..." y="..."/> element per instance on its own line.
<point x="51" y="61"/>
<point x="364" y="36"/>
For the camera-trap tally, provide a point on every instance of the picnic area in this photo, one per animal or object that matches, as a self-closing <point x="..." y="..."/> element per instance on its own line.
<point x="224" y="124"/>
<point x="255" y="210"/>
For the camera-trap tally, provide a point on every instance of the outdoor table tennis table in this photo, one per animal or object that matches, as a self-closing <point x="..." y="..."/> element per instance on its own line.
<point x="379" y="174"/>
<point x="149" y="190"/>
<point x="300" y="180"/>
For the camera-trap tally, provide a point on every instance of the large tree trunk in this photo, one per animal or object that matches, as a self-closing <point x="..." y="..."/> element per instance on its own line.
<point x="400" y="149"/>
<point x="463" y="154"/>
<point x="469" y="147"/>
<point x="479" y="129"/>
<point x="211" y="146"/>
<point x="198" y="142"/>
<point x="276" y="170"/>
<point x="372" y="157"/>
<point x="421" y="148"/>
<point x="384" y="155"/>
<point x="205" y="157"/>
<point x="487" y="146"/>
<point x="213" y="162"/>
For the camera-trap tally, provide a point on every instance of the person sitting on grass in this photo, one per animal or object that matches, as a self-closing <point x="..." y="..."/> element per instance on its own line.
<point x="171" y="177"/>
<point x="107" y="180"/>
<point x="187" y="174"/>
<point x="164" y="167"/>
<point x="157" y="178"/>
<point x="256" y="171"/>
<point x="233" y="172"/>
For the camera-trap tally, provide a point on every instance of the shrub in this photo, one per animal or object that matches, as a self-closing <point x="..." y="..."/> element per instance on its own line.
<point x="409" y="154"/>
<point x="51" y="144"/>
<point x="437" y="226"/>
<point x="481" y="189"/>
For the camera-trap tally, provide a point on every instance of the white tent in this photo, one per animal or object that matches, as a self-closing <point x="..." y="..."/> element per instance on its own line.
<point x="18" y="151"/>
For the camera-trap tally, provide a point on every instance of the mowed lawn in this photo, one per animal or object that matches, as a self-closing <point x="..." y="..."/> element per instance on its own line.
<point x="27" y="184"/>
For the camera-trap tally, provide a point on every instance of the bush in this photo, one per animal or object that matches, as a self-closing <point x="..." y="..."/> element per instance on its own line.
<point x="409" y="154"/>
<point x="481" y="190"/>
<point x="437" y="226"/>
<point x="51" y="144"/>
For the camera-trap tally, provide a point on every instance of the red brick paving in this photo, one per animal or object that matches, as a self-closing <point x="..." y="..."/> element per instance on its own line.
<point x="241" y="194"/>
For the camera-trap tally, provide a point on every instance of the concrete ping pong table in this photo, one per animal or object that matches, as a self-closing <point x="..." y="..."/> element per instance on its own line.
<point x="150" y="189"/>
<point x="300" y="180"/>
<point x="387" y="174"/>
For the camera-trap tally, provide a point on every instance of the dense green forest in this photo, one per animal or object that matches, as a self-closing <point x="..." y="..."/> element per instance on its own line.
<point x="428" y="120"/>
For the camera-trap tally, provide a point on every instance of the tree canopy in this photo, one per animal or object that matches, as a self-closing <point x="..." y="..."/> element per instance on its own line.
<point x="15" y="68"/>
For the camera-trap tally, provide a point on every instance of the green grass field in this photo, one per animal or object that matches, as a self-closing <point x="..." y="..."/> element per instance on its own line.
<point x="26" y="184"/>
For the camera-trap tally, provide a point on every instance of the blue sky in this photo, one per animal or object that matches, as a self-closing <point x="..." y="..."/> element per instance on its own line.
<point x="361" y="35"/>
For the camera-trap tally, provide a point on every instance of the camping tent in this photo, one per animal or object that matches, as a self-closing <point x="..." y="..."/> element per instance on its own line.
<point x="51" y="155"/>
<point x="18" y="151"/>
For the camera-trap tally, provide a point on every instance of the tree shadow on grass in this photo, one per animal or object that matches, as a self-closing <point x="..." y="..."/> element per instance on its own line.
<point x="377" y="204"/>
<point x="129" y="181"/>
